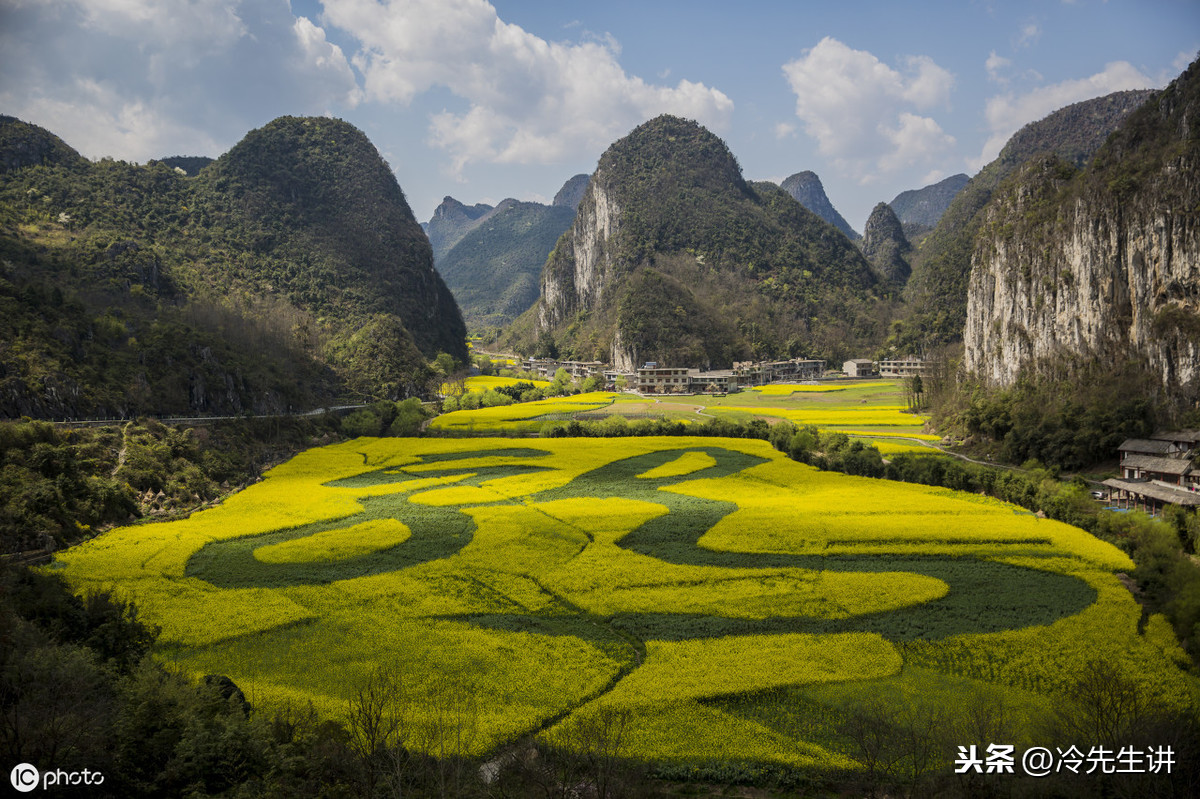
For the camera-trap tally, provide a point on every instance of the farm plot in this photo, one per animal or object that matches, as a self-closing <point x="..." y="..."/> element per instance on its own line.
<point x="721" y="596"/>
<point x="873" y="410"/>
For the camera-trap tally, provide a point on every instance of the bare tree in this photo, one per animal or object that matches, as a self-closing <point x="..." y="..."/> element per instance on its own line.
<point x="379" y="724"/>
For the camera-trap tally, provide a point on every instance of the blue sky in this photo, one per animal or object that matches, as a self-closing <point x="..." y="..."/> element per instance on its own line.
<point x="484" y="101"/>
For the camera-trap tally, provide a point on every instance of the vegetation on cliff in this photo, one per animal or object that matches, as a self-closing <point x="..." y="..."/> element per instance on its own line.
<point x="937" y="290"/>
<point x="1085" y="278"/>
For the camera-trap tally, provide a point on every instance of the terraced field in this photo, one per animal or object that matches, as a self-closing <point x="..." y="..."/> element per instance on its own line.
<point x="722" y="597"/>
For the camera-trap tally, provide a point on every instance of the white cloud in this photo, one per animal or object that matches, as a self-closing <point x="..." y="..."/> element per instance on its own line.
<point x="98" y="121"/>
<point x="1030" y="33"/>
<point x="994" y="64"/>
<point x="1007" y="113"/>
<point x="917" y="140"/>
<point x="933" y="176"/>
<point x="784" y="130"/>
<point x="325" y="59"/>
<point x="142" y="79"/>
<point x="930" y="86"/>
<point x="529" y="100"/>
<point x="860" y="110"/>
<point x="190" y="30"/>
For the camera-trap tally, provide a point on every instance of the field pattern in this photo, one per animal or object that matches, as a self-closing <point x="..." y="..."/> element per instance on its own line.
<point x="871" y="409"/>
<point x="711" y="588"/>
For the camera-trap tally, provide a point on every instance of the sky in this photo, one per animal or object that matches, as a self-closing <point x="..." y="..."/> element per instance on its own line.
<point x="482" y="101"/>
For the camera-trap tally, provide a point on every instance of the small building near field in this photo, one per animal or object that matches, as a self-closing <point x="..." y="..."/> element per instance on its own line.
<point x="720" y="381"/>
<point x="903" y="367"/>
<point x="859" y="367"/>
<point x="655" y="379"/>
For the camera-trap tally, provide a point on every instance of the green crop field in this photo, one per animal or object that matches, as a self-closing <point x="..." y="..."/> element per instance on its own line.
<point x="871" y="409"/>
<point x="726" y="600"/>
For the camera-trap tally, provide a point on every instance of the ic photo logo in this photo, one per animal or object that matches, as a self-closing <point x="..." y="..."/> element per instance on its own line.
<point x="25" y="777"/>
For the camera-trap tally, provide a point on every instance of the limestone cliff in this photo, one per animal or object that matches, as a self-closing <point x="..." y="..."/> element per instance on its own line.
<point x="574" y="278"/>
<point x="1099" y="265"/>
<point x="937" y="289"/>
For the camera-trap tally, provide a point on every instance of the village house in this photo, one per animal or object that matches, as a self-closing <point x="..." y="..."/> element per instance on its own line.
<point x="655" y="379"/>
<point x="859" y="367"/>
<point x="721" y="381"/>
<point x="903" y="367"/>
<point x="759" y="373"/>
<point x="1157" y="471"/>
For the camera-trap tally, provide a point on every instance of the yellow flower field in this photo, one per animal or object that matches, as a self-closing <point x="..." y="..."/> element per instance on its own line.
<point x="482" y="383"/>
<point x="686" y="582"/>
<point x="520" y="416"/>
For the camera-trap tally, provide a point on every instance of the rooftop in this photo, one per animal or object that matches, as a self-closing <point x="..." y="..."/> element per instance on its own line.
<point x="1163" y="465"/>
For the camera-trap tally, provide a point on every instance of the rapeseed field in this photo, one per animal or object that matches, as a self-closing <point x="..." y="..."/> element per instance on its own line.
<point x="721" y="596"/>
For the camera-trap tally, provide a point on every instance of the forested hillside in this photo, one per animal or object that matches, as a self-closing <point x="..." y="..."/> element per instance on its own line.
<point x="288" y="272"/>
<point x="673" y="255"/>
<point x="493" y="270"/>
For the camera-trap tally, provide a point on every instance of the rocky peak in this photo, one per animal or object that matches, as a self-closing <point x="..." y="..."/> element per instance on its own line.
<point x="885" y="245"/>
<point x="807" y="189"/>
<point x="450" y="222"/>
<point x="452" y="211"/>
<point x="925" y="206"/>
<point x="572" y="192"/>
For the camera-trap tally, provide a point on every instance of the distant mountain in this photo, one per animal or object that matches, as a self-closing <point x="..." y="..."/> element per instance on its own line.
<point x="1097" y="267"/>
<point x="572" y="192"/>
<point x="922" y="208"/>
<point x="806" y="188"/>
<point x="494" y="269"/>
<point x="22" y="145"/>
<point x="885" y="246"/>
<point x="451" y="221"/>
<point x="674" y="257"/>
<point x="289" y="272"/>
<point x="937" y="289"/>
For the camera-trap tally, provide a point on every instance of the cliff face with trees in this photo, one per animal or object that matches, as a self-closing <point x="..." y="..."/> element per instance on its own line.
<point x="674" y="257"/>
<point x="937" y="290"/>
<point x="288" y="272"/>
<point x="1100" y="265"/>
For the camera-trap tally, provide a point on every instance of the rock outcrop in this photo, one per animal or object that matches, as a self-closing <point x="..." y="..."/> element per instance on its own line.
<point x="572" y="192"/>
<point x="885" y="245"/>
<point x="937" y="289"/>
<point x="807" y="190"/>
<point x="1099" y="265"/>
